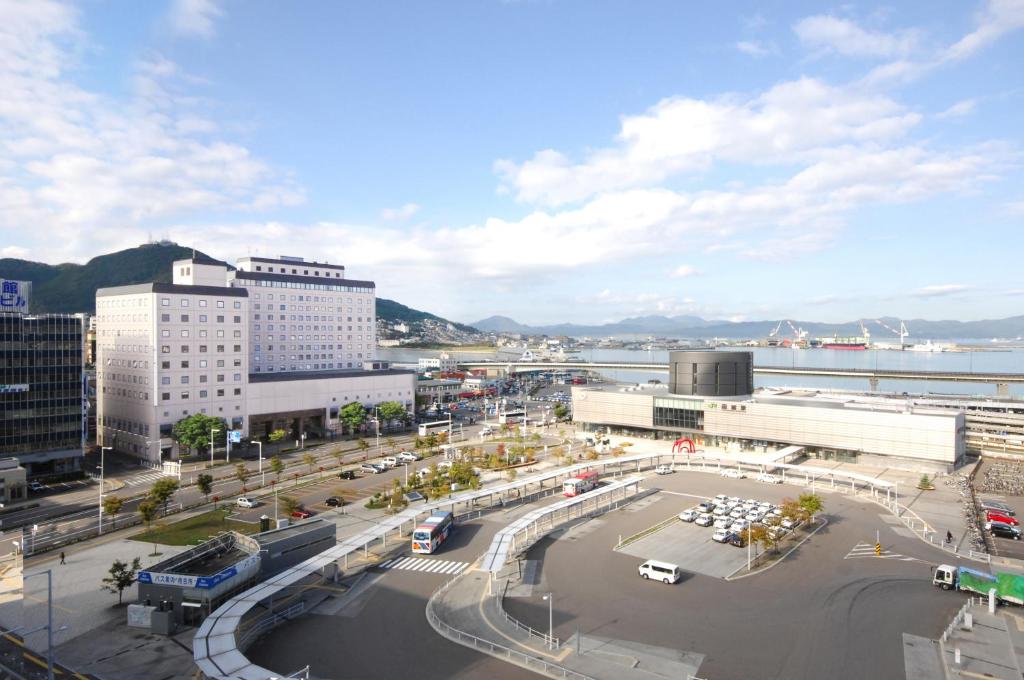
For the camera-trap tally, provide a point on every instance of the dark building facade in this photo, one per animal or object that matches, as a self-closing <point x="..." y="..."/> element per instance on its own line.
<point x="711" y="373"/>
<point x="42" y="394"/>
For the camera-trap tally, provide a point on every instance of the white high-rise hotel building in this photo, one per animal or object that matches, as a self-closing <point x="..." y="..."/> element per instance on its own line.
<point x="306" y="316"/>
<point x="278" y="343"/>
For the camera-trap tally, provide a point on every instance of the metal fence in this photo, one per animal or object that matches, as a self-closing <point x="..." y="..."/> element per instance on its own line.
<point x="549" y="640"/>
<point x="465" y="639"/>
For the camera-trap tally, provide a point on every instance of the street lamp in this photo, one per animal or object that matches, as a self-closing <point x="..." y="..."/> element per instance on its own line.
<point x="551" y="620"/>
<point x="263" y="476"/>
<point x="213" y="430"/>
<point x="103" y="449"/>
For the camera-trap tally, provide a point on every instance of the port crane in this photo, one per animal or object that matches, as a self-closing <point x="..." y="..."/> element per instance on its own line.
<point x="903" y="332"/>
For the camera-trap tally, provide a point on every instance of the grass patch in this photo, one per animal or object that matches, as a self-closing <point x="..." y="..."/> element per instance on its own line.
<point x="195" y="529"/>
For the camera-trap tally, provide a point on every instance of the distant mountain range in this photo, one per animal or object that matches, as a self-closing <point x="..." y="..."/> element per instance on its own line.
<point x="69" y="288"/>
<point x="696" y="327"/>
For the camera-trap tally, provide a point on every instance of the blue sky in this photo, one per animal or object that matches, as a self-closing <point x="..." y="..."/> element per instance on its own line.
<point x="546" y="160"/>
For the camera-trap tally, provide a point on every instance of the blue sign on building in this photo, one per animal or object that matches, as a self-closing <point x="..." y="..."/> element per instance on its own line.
<point x="236" y="436"/>
<point x="14" y="296"/>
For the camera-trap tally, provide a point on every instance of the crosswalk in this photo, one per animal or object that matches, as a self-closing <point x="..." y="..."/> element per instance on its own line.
<point x="145" y="479"/>
<point x="426" y="565"/>
<point x="868" y="550"/>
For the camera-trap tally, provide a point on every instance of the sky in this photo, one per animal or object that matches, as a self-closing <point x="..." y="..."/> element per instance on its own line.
<point x="546" y="160"/>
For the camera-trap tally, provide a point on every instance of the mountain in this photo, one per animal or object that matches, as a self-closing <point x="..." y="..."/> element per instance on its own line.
<point x="67" y="288"/>
<point x="640" y="325"/>
<point x="392" y="311"/>
<point x="696" y="327"/>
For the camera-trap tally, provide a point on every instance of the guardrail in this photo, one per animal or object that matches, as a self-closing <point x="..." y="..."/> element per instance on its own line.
<point x="265" y="624"/>
<point x="549" y="640"/>
<point x="54" y="538"/>
<point x="499" y="651"/>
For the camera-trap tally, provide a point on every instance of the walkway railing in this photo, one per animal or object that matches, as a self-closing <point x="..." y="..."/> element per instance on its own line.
<point x="265" y="624"/>
<point x="549" y="641"/>
<point x="534" y="663"/>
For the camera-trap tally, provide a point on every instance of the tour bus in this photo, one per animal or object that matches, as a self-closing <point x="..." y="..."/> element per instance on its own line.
<point x="581" y="483"/>
<point x="432" y="532"/>
<point x="435" y="427"/>
<point x="511" y="417"/>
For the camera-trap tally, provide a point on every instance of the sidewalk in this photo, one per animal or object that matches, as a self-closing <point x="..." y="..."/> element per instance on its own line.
<point x="993" y="647"/>
<point x="467" y="613"/>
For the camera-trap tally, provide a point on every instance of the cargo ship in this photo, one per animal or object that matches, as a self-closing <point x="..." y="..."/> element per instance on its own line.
<point x="843" y="343"/>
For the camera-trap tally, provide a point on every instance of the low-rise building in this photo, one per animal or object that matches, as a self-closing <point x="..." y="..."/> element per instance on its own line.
<point x="713" y="403"/>
<point x="437" y="391"/>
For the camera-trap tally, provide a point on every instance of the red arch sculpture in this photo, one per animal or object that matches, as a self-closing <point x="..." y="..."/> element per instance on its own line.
<point x="684" y="444"/>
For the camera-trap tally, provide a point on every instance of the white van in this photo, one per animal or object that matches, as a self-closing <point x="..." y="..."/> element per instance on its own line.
<point x="389" y="462"/>
<point x="660" y="571"/>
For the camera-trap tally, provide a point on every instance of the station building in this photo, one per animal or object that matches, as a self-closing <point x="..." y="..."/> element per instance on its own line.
<point x="710" y="398"/>
<point x="185" y="589"/>
<point x="280" y="344"/>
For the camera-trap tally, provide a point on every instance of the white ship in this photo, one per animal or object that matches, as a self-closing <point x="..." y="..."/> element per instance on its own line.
<point x="928" y="347"/>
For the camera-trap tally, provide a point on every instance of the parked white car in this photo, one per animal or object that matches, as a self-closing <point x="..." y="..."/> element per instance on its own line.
<point x="788" y="523"/>
<point x="389" y="462"/>
<point x="703" y="520"/>
<point x="721" y="498"/>
<point x="407" y="457"/>
<point x="722" y="511"/>
<point x="768" y="479"/>
<point x="723" y="522"/>
<point x="663" y="470"/>
<point x="246" y="502"/>
<point x="720" y="535"/>
<point x="733" y="473"/>
<point x="689" y="515"/>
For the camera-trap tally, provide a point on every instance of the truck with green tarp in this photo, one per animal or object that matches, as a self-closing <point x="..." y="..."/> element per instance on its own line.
<point x="1008" y="587"/>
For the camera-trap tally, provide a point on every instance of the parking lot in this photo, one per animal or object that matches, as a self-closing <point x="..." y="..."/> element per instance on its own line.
<point x="692" y="546"/>
<point x="789" y="616"/>
<point x="1003" y="547"/>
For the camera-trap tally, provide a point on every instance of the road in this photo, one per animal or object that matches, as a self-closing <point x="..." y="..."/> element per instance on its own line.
<point x="382" y="632"/>
<point x="73" y="515"/>
<point x="824" y="612"/>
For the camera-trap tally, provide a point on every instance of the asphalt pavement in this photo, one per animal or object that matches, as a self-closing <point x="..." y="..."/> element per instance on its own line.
<point x="823" y="612"/>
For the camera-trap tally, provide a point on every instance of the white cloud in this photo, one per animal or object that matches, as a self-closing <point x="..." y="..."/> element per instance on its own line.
<point x="195" y="18"/>
<point x="683" y="271"/>
<point x="998" y="18"/>
<point x="831" y="34"/>
<point x="14" y="251"/>
<point x="397" y="214"/>
<point x="959" y="109"/>
<point x="790" y="122"/>
<point x="940" y="290"/>
<point x="755" y="48"/>
<point x="73" y="163"/>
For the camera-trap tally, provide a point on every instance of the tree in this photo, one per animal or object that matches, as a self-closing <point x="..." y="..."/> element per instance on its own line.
<point x="241" y="473"/>
<point x="810" y="505"/>
<point x="791" y="509"/>
<point x="204" y="483"/>
<point x="352" y="416"/>
<point x="290" y="504"/>
<point x="163" y="490"/>
<point x="111" y="506"/>
<point x="390" y="410"/>
<point x="194" y="431"/>
<point x="122" y="576"/>
<point x="310" y="460"/>
<point x="276" y="466"/>
<point x="758" y="533"/>
<point x="561" y="411"/>
<point x="363" y="446"/>
<point x="390" y="441"/>
<point x="276" y="436"/>
<point x="338" y="455"/>
<point x="511" y="474"/>
<point x="147" y="511"/>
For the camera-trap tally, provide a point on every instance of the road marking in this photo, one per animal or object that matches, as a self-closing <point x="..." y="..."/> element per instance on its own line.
<point x="680" y="493"/>
<point x="146" y="478"/>
<point x="426" y="565"/>
<point x="868" y="550"/>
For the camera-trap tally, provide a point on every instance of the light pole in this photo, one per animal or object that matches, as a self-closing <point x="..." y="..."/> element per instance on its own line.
<point x="103" y="449"/>
<point x="263" y="476"/>
<point x="551" y="621"/>
<point x="49" y="621"/>
<point x="213" y="430"/>
<point x="376" y="426"/>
